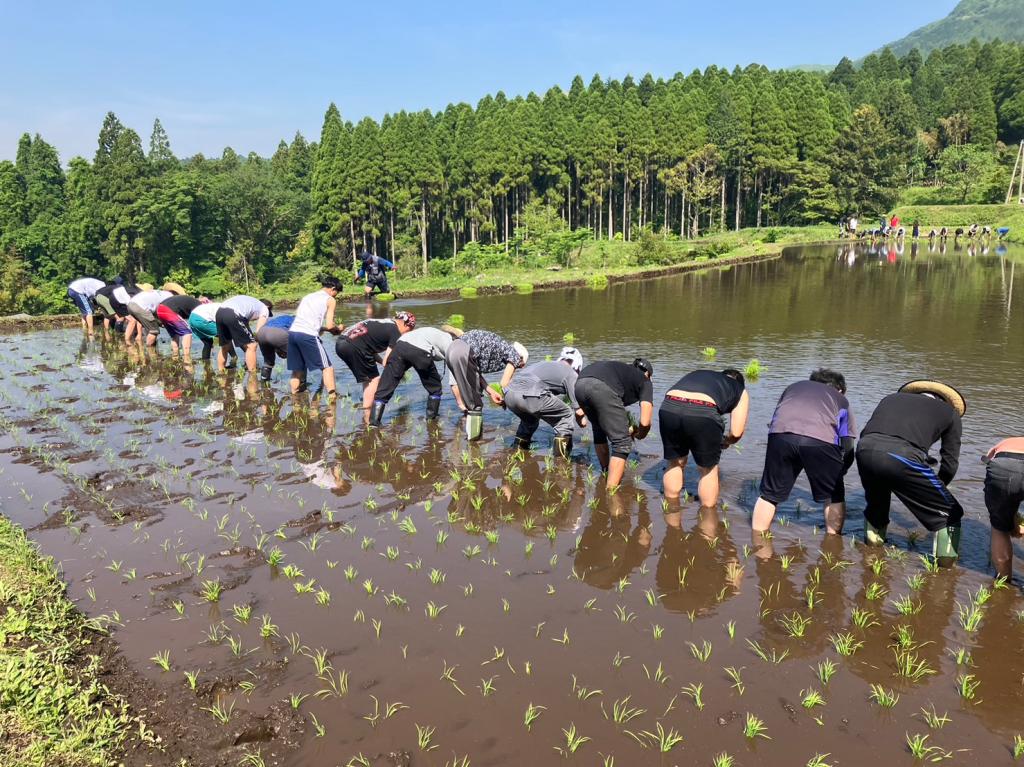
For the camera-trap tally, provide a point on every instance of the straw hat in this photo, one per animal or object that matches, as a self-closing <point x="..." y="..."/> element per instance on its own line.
<point x="173" y="287"/>
<point x="145" y="287"/>
<point x="946" y="392"/>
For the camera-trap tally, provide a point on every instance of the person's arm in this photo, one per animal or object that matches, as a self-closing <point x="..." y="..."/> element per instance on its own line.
<point x="361" y="273"/>
<point x="329" y="324"/>
<point x="385" y="263"/>
<point x="646" y="416"/>
<point x="387" y="354"/>
<point x="738" y="419"/>
<point x="260" y="322"/>
<point x="950" y="451"/>
<point x="506" y="377"/>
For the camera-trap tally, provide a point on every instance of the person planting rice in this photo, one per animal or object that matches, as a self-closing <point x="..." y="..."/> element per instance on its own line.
<point x="374" y="270"/>
<point x="306" y="351"/>
<point x="604" y="391"/>
<point x="1004" y="493"/>
<point x="361" y="345"/>
<point x="812" y="432"/>
<point x="114" y="311"/>
<point x="81" y="292"/>
<point x="892" y="458"/>
<point x="420" y="350"/>
<point x="142" y="310"/>
<point x="469" y="357"/>
<point x="173" y="314"/>
<point x="691" y="421"/>
<point x="272" y="339"/>
<point x="233" y="320"/>
<point x="539" y="393"/>
<point x="202" y="321"/>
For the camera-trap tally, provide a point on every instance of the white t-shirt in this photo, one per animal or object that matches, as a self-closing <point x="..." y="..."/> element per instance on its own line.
<point x="309" y="317"/>
<point x="207" y="312"/>
<point x="151" y="299"/>
<point x="87" y="286"/>
<point x="247" y="307"/>
<point x="121" y="294"/>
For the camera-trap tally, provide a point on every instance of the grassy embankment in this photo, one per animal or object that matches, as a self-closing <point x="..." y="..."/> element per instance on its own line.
<point x="953" y="216"/>
<point x="596" y="263"/>
<point x="54" y="712"/>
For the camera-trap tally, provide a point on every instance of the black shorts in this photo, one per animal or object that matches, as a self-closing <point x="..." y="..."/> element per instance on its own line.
<point x="232" y="329"/>
<point x="1004" y="490"/>
<point x="378" y="283"/>
<point x="607" y="415"/>
<point x="358" y="359"/>
<point x="687" y="428"/>
<point x="789" y="454"/>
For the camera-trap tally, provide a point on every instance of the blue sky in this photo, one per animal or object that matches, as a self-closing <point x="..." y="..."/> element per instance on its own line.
<point x="246" y="74"/>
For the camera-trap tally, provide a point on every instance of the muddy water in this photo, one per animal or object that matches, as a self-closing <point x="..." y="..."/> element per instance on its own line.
<point x="453" y="585"/>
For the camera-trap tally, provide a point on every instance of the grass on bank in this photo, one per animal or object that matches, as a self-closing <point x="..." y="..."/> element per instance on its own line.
<point x="54" y="712"/>
<point x="589" y="264"/>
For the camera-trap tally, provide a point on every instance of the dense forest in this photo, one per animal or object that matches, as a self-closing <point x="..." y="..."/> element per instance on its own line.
<point x="610" y="159"/>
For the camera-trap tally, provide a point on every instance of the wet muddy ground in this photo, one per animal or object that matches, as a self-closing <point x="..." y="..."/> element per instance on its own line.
<point x="322" y="595"/>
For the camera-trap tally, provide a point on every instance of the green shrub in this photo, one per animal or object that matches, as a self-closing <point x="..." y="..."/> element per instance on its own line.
<point x="468" y="292"/>
<point x="598" y="282"/>
<point x="524" y="287"/>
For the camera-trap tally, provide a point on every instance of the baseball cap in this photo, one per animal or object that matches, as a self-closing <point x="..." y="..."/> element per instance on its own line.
<point x="644" y="365"/>
<point x="407" y="317"/>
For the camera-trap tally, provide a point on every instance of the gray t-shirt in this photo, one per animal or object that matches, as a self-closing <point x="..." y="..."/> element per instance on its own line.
<point x="546" y="377"/>
<point x="433" y="340"/>
<point x="815" y="410"/>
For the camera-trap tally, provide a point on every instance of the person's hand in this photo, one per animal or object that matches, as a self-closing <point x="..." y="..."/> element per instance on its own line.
<point x="496" y="398"/>
<point x="581" y="419"/>
<point x="335" y="331"/>
<point x="641" y="431"/>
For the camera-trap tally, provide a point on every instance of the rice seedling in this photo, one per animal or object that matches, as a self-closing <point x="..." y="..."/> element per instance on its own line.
<point x="573" y="741"/>
<point x="735" y="674"/>
<point x="753" y="370"/>
<point x="211" y="591"/>
<point x="191" y="678"/>
<point x="623" y="712"/>
<point x="967" y="686"/>
<point x="723" y="760"/>
<point x="665" y="740"/>
<point x="702" y="653"/>
<point x="909" y="666"/>
<point x="730" y="629"/>
<point x="242" y="613"/>
<point x="918" y="745"/>
<point x="424" y="736"/>
<point x="969" y="616"/>
<point x="754" y="727"/>
<point x="883" y="697"/>
<point x="933" y="719"/>
<point x="915" y="581"/>
<point x="795" y="624"/>
<point x="772" y="656"/>
<point x="875" y="591"/>
<point x="694" y="691"/>
<point x="433" y="611"/>
<point x="659" y="674"/>
<point x="1018" y="746"/>
<point x="220" y="712"/>
<point x="163" y="660"/>
<point x="818" y="760"/>
<point x="295" y="700"/>
<point x="810" y="698"/>
<point x="845" y="643"/>
<point x="863" y="619"/>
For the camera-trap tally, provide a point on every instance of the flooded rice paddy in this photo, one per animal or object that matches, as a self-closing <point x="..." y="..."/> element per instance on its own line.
<point x="324" y="595"/>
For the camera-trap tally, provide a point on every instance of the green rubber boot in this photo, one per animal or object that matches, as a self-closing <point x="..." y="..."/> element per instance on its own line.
<point x="874" y="536"/>
<point x="946" y="546"/>
<point x="474" y="425"/>
<point x="520" y="444"/>
<point x="563" y="447"/>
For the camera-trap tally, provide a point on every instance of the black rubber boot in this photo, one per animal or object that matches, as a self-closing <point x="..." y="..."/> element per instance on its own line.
<point x="377" y="413"/>
<point x="265" y="372"/>
<point x="563" y="447"/>
<point x="520" y="444"/>
<point x="433" y="407"/>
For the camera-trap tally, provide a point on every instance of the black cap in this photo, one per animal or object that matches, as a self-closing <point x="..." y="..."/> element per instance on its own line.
<point x="644" y="365"/>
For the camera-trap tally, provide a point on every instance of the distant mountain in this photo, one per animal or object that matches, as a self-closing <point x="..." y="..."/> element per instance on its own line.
<point x="972" y="19"/>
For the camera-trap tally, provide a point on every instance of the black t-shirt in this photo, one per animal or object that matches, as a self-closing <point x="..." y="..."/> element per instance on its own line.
<point x="922" y="421"/>
<point x="183" y="306"/>
<point x="725" y="391"/>
<point x="628" y="381"/>
<point x="374" y="336"/>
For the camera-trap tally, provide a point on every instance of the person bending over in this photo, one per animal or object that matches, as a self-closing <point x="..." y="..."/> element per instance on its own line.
<point x="142" y="309"/>
<point x="692" y="421"/>
<point x="421" y="350"/>
<point x="812" y="432"/>
<point x="472" y="355"/>
<point x="1004" y="493"/>
<point x="272" y="340"/>
<point x="306" y="351"/>
<point x="233" y="320"/>
<point x="173" y="314"/>
<point x="374" y="270"/>
<point x="604" y="391"/>
<point x="360" y="346"/>
<point x="892" y="458"/>
<point x="81" y="292"/>
<point x="540" y="393"/>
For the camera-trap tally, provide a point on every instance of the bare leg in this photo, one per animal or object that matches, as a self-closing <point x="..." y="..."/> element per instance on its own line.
<point x="88" y="324"/>
<point x="329" y="380"/>
<point x="707" y="488"/>
<point x="250" y="358"/>
<point x="369" y="392"/>
<point x="616" y="468"/>
<point x="602" y="455"/>
<point x="462" y="407"/>
<point x="1002" y="554"/>
<point x="151" y="339"/>
<point x="672" y="481"/>
<point x="835" y="518"/>
<point x="186" y="346"/>
<point x="762" y="544"/>
<point x="296" y="381"/>
<point x="222" y="358"/>
<point x="764" y="513"/>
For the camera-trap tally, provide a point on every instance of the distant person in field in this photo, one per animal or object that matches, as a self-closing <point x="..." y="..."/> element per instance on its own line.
<point x="604" y="391"/>
<point x="472" y="355"/>
<point x="362" y="345"/>
<point x="1004" y="493"/>
<point x="173" y="314"/>
<point x="374" y="270"/>
<point x="916" y="231"/>
<point x="115" y="312"/>
<point x="892" y="458"/>
<point x="421" y="350"/>
<point x="692" y="422"/>
<point x="306" y="352"/>
<point x="142" y="311"/>
<point x="81" y="292"/>
<point x="272" y="339"/>
<point x="546" y="392"/>
<point x="853" y="226"/>
<point x="812" y="432"/>
<point x="234" y="318"/>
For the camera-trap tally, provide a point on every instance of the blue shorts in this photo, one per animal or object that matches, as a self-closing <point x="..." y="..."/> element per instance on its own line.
<point x="81" y="301"/>
<point x="306" y="352"/>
